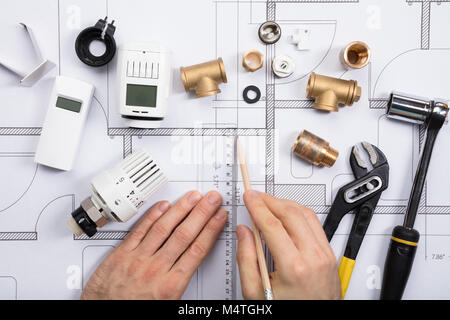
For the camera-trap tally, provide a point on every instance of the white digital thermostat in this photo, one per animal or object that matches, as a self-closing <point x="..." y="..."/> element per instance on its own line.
<point x="64" y="123"/>
<point x="145" y="81"/>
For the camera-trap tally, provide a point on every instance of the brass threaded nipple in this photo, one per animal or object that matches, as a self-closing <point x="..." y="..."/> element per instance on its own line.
<point x="330" y="157"/>
<point x="314" y="150"/>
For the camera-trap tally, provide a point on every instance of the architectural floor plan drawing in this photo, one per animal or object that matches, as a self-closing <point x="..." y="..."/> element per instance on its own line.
<point x="41" y="259"/>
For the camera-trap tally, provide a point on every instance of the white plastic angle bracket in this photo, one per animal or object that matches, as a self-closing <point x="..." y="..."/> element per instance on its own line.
<point x="28" y="79"/>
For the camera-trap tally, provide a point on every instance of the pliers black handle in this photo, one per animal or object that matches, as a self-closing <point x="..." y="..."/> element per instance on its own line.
<point x="361" y="197"/>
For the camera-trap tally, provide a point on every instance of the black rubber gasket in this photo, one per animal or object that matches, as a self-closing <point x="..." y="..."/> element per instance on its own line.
<point x="254" y="89"/>
<point x="88" y="35"/>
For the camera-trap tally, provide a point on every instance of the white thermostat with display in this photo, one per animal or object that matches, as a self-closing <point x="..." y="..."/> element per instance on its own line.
<point x="64" y="123"/>
<point x="145" y="83"/>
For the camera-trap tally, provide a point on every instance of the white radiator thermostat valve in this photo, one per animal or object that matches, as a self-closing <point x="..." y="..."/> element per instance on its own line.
<point x="144" y="84"/>
<point x="117" y="194"/>
<point x="301" y="39"/>
<point x="283" y="66"/>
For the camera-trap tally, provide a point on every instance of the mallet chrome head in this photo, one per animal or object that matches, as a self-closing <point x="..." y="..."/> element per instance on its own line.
<point x="416" y="110"/>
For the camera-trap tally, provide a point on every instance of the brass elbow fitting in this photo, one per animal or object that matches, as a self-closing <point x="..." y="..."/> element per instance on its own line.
<point x="329" y="92"/>
<point x="315" y="150"/>
<point x="204" y="78"/>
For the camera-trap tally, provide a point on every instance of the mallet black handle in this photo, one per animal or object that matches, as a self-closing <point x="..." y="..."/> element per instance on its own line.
<point x="399" y="262"/>
<point x="403" y="247"/>
<point x="421" y="177"/>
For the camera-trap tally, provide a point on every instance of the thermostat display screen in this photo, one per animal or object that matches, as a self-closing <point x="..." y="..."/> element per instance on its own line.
<point x="141" y="95"/>
<point x="67" y="104"/>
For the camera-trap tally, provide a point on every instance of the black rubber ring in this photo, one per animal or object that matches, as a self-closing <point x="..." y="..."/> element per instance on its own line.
<point x="256" y="90"/>
<point x="83" y="42"/>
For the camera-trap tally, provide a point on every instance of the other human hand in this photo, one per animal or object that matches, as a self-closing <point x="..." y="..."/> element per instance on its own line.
<point x="162" y="253"/>
<point x="306" y="268"/>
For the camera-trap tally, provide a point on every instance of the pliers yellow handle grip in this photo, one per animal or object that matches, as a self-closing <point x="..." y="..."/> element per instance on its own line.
<point x="345" y="273"/>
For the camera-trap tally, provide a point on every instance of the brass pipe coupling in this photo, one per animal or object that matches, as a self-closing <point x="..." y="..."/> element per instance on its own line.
<point x="315" y="150"/>
<point x="356" y="55"/>
<point x="329" y="92"/>
<point x="253" y="60"/>
<point x="204" y="78"/>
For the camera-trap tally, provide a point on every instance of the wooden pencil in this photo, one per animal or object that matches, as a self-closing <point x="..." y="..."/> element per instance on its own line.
<point x="259" y="247"/>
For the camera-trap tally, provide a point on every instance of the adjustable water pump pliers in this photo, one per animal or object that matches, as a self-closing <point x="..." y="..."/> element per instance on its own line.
<point x="361" y="197"/>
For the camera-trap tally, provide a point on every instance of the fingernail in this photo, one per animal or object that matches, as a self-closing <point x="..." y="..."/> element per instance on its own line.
<point x="214" y="198"/>
<point x="195" y="197"/>
<point x="220" y="215"/>
<point x="252" y="194"/>
<point x="164" y="206"/>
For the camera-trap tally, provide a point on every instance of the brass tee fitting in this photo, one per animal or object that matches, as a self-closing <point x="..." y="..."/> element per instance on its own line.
<point x="204" y="78"/>
<point x="329" y="92"/>
<point x="315" y="150"/>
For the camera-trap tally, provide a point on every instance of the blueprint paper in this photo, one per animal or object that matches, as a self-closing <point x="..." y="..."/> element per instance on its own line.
<point x="40" y="258"/>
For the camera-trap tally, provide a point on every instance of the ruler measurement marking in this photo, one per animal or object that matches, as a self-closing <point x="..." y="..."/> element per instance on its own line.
<point x="230" y="202"/>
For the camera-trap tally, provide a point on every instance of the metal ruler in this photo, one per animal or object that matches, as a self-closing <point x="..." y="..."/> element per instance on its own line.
<point x="225" y="181"/>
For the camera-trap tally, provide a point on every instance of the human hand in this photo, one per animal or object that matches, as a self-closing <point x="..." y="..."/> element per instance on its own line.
<point x="306" y="268"/>
<point x="162" y="253"/>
